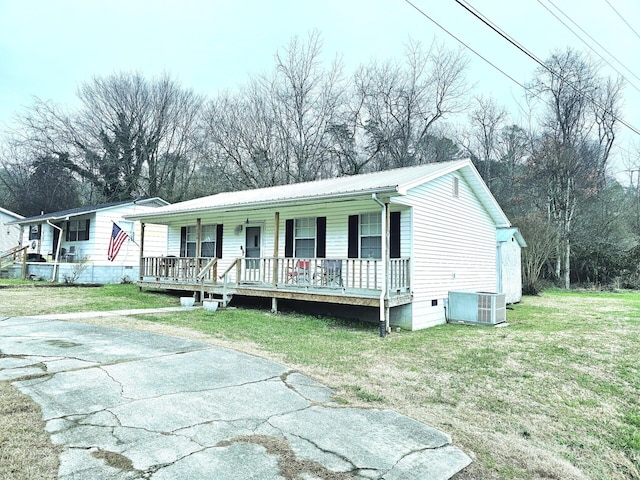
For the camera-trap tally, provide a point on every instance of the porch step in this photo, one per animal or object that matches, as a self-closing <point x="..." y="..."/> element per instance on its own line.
<point x="222" y="299"/>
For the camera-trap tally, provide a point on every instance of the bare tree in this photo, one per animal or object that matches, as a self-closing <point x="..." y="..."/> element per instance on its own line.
<point x="126" y="138"/>
<point x="487" y="121"/>
<point x="568" y="85"/>
<point x="401" y="103"/>
<point x="277" y="129"/>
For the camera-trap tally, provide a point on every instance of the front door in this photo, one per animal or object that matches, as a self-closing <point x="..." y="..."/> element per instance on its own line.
<point x="252" y="247"/>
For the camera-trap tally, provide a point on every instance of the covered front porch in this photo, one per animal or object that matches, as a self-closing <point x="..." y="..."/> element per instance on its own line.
<point x="333" y="280"/>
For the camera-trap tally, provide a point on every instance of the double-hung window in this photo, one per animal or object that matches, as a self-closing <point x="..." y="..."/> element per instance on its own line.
<point x="370" y="235"/>
<point x="305" y="237"/>
<point x="191" y="241"/>
<point x="77" y="230"/>
<point x="207" y="241"/>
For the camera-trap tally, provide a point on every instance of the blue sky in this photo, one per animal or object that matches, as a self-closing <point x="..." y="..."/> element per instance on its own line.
<point x="49" y="47"/>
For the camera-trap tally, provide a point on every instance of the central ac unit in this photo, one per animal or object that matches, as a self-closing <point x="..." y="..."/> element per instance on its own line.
<point x="481" y="308"/>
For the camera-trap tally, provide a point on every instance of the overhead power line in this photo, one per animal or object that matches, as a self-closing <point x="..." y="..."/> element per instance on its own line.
<point x="623" y="19"/>
<point x="588" y="45"/>
<point x="521" y="48"/>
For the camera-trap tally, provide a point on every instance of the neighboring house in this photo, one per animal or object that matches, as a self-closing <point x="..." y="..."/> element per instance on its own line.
<point x="510" y="245"/>
<point x="397" y="240"/>
<point x="72" y="245"/>
<point x="9" y="233"/>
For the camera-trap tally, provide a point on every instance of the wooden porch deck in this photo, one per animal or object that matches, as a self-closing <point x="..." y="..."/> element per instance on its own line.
<point x="343" y="281"/>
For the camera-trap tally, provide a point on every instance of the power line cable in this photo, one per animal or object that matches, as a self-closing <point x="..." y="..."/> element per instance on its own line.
<point x="467" y="46"/>
<point x="513" y="42"/>
<point x="622" y="18"/>
<point x="587" y="44"/>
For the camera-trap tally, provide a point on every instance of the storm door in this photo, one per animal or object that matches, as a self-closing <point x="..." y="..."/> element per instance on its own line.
<point x="252" y="251"/>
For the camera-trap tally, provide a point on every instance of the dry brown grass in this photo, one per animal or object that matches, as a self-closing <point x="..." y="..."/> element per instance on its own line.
<point x="26" y="452"/>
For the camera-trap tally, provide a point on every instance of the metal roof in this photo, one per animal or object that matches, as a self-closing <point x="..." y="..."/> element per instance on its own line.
<point x="74" y="212"/>
<point x="386" y="183"/>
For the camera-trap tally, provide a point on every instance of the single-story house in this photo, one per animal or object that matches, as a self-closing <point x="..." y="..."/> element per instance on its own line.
<point x="510" y="245"/>
<point x="397" y="240"/>
<point x="74" y="245"/>
<point x="9" y="233"/>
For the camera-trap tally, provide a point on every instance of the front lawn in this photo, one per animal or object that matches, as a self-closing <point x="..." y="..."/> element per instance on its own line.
<point x="552" y="395"/>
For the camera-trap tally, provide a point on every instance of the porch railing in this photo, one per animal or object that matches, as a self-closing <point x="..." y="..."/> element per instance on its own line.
<point x="347" y="273"/>
<point x="180" y="269"/>
<point x="317" y="273"/>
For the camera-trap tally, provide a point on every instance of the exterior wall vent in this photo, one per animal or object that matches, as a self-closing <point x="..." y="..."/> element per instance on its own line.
<point x="479" y="308"/>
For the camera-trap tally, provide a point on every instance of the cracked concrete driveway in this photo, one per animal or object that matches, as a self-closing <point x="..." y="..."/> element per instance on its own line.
<point x="135" y="405"/>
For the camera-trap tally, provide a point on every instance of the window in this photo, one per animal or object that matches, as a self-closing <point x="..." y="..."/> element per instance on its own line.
<point x="77" y="230"/>
<point x="305" y="237"/>
<point x="34" y="232"/>
<point x="190" y="241"/>
<point x="207" y="241"/>
<point x="370" y="235"/>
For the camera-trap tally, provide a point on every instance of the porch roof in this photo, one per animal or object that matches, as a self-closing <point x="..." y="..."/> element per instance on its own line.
<point x="389" y="183"/>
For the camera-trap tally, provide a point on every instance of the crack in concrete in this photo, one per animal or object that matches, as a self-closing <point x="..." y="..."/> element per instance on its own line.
<point x="117" y="382"/>
<point x="414" y="451"/>
<point x="354" y="467"/>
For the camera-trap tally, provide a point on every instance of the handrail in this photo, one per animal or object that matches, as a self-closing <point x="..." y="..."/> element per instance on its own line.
<point x="233" y="264"/>
<point x="13" y="251"/>
<point x="203" y="271"/>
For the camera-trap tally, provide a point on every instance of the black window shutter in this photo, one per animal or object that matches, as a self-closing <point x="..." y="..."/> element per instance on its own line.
<point x="40" y="232"/>
<point x="183" y="241"/>
<point x="87" y="229"/>
<point x="288" y="238"/>
<point x="354" y="221"/>
<point x="321" y="237"/>
<point x="66" y="235"/>
<point x="394" y="235"/>
<point x="219" y="240"/>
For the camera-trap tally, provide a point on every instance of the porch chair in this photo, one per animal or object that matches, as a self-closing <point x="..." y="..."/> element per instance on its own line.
<point x="332" y="272"/>
<point x="71" y="254"/>
<point x="299" y="273"/>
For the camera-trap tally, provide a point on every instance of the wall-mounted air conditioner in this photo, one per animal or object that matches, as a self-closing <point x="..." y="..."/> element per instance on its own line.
<point x="481" y="308"/>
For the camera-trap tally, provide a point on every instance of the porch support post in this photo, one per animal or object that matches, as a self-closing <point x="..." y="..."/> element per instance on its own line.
<point x="141" y="262"/>
<point x="384" y="309"/>
<point x="198" y="236"/>
<point x="274" y="304"/>
<point x="276" y="245"/>
<point x="387" y="263"/>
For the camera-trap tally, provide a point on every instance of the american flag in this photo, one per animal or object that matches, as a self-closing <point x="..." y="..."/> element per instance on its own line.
<point x="118" y="236"/>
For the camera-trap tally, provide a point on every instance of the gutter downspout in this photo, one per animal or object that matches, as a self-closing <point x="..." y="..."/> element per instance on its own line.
<point x="383" y="292"/>
<point x="55" y="260"/>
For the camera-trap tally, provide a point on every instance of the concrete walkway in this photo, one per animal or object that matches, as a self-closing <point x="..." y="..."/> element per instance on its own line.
<point x="135" y="405"/>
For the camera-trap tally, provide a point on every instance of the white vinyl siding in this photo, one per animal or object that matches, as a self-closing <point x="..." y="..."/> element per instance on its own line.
<point x="454" y="245"/>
